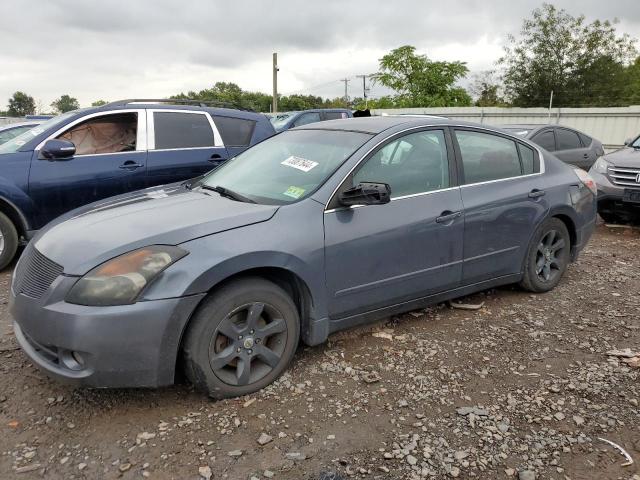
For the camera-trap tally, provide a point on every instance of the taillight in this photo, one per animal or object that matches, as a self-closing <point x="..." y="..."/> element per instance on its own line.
<point x="586" y="180"/>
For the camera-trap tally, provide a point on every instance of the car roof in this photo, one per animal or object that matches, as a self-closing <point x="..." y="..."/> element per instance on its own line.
<point x="375" y="125"/>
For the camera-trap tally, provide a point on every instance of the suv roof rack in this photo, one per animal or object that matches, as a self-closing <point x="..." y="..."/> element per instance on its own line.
<point x="177" y="101"/>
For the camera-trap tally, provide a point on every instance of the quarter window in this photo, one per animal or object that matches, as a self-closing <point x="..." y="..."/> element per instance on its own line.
<point x="415" y="163"/>
<point x="567" y="140"/>
<point x="487" y="157"/>
<point x="528" y="159"/>
<point x="182" y="130"/>
<point x="106" y="134"/>
<point x="546" y="140"/>
<point x="235" y="132"/>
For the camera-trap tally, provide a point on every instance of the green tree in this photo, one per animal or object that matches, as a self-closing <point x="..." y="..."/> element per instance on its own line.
<point x="582" y="63"/>
<point x="228" y="93"/>
<point x="21" y="104"/>
<point x="99" y="103"/>
<point x="65" y="104"/>
<point x="487" y="90"/>
<point x="420" y="82"/>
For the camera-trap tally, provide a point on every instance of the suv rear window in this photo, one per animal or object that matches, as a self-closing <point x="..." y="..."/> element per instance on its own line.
<point x="235" y="132"/>
<point x="182" y="130"/>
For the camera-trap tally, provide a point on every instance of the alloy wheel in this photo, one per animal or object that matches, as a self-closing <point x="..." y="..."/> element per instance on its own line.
<point x="549" y="254"/>
<point x="248" y="344"/>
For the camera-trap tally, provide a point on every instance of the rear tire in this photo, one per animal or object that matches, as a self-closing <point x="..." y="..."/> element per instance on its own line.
<point x="8" y="241"/>
<point x="547" y="258"/>
<point x="241" y="338"/>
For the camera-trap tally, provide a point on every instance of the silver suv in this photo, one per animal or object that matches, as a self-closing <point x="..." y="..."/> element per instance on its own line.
<point x="618" y="178"/>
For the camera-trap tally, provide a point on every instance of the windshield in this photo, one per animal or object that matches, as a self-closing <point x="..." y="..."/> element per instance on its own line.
<point x="18" y="142"/>
<point x="522" y="132"/>
<point x="287" y="167"/>
<point x="280" y="119"/>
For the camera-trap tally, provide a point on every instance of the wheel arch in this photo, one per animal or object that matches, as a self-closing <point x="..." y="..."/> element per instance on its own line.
<point x="290" y="281"/>
<point x="15" y="215"/>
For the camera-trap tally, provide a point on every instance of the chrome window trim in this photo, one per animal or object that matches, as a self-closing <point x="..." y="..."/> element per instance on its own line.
<point x="141" y="133"/>
<point x="402" y="197"/>
<point x="151" y="130"/>
<point x="513" y="137"/>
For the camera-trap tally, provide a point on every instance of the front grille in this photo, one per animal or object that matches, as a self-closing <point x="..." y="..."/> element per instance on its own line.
<point x="35" y="273"/>
<point x="625" y="177"/>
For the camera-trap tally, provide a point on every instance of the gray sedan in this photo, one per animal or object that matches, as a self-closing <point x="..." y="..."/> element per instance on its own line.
<point x="314" y="230"/>
<point x="569" y="145"/>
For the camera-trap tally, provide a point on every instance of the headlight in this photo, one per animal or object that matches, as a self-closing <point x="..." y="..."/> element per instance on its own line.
<point x="120" y="280"/>
<point x="601" y="165"/>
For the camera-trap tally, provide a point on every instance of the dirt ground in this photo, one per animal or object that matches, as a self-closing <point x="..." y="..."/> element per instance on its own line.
<point x="521" y="388"/>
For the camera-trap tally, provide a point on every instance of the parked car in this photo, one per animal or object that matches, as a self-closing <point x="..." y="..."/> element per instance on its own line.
<point x="617" y="176"/>
<point x="569" y="145"/>
<point x="314" y="230"/>
<point x="87" y="155"/>
<point x="12" y="130"/>
<point x="286" y="120"/>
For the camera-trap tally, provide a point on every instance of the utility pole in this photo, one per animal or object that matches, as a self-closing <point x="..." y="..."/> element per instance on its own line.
<point x="550" y="105"/>
<point x="364" y="88"/>
<point x="274" y="104"/>
<point x="346" y="93"/>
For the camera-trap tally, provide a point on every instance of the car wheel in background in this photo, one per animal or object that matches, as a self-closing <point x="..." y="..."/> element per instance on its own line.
<point x="8" y="240"/>
<point x="609" y="217"/>
<point x="241" y="338"/>
<point x="548" y="256"/>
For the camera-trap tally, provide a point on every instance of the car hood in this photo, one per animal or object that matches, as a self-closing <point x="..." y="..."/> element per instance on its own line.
<point x="86" y="237"/>
<point x="625" y="157"/>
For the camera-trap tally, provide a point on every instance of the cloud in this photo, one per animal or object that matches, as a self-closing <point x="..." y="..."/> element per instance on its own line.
<point x="154" y="48"/>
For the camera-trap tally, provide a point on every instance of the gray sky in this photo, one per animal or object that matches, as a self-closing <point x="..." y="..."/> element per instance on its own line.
<point x="124" y="48"/>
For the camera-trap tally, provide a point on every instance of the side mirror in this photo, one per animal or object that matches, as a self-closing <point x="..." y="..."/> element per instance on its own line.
<point x="628" y="142"/>
<point x="58" y="150"/>
<point x="366" y="193"/>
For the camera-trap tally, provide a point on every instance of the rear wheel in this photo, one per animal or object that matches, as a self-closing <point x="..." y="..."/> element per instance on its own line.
<point x="8" y="240"/>
<point x="241" y="338"/>
<point x="548" y="257"/>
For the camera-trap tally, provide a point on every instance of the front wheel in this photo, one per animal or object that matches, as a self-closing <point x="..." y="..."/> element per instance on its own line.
<point x="548" y="257"/>
<point x="241" y="338"/>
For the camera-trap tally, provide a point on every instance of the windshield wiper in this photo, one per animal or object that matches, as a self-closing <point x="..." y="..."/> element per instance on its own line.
<point x="225" y="192"/>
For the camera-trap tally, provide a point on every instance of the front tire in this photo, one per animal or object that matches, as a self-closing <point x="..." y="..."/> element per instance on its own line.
<point x="548" y="257"/>
<point x="241" y="338"/>
<point x="8" y="241"/>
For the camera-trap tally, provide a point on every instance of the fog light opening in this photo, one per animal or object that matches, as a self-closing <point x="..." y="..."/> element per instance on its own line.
<point x="72" y="360"/>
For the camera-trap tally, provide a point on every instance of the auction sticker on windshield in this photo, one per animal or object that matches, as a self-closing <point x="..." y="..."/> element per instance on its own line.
<point x="299" y="163"/>
<point x="294" y="192"/>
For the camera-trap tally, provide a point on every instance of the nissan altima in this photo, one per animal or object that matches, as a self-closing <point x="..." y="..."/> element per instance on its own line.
<point x="311" y="231"/>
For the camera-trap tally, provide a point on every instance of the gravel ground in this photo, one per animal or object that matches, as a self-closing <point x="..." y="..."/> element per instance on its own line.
<point x="521" y="388"/>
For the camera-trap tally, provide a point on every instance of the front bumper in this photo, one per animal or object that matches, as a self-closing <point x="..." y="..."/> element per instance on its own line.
<point x="610" y="196"/>
<point x="122" y="346"/>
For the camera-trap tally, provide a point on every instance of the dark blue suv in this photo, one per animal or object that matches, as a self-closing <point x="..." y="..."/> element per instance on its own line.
<point x="89" y="154"/>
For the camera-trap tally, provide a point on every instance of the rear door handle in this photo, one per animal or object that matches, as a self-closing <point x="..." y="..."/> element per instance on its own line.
<point x="535" y="193"/>
<point x="216" y="159"/>
<point x="130" y="165"/>
<point x="448" y="216"/>
<point x="586" y="155"/>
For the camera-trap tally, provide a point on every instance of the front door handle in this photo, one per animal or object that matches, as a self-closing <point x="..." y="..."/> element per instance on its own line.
<point x="448" y="216"/>
<point x="216" y="159"/>
<point x="130" y="165"/>
<point x="535" y="193"/>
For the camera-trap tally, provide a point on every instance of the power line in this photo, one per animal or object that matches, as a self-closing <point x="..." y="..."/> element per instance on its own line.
<point x="346" y="88"/>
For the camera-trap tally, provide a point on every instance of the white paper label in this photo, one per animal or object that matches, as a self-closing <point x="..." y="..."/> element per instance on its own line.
<point x="300" y="163"/>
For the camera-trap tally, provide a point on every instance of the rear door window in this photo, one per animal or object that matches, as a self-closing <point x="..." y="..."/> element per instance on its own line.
<point x="334" y="115"/>
<point x="235" y="132"/>
<point x="567" y="139"/>
<point x="182" y="130"/>
<point x="487" y="157"/>
<point x="586" y="140"/>
<point x="306" y="118"/>
<point x="546" y="140"/>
